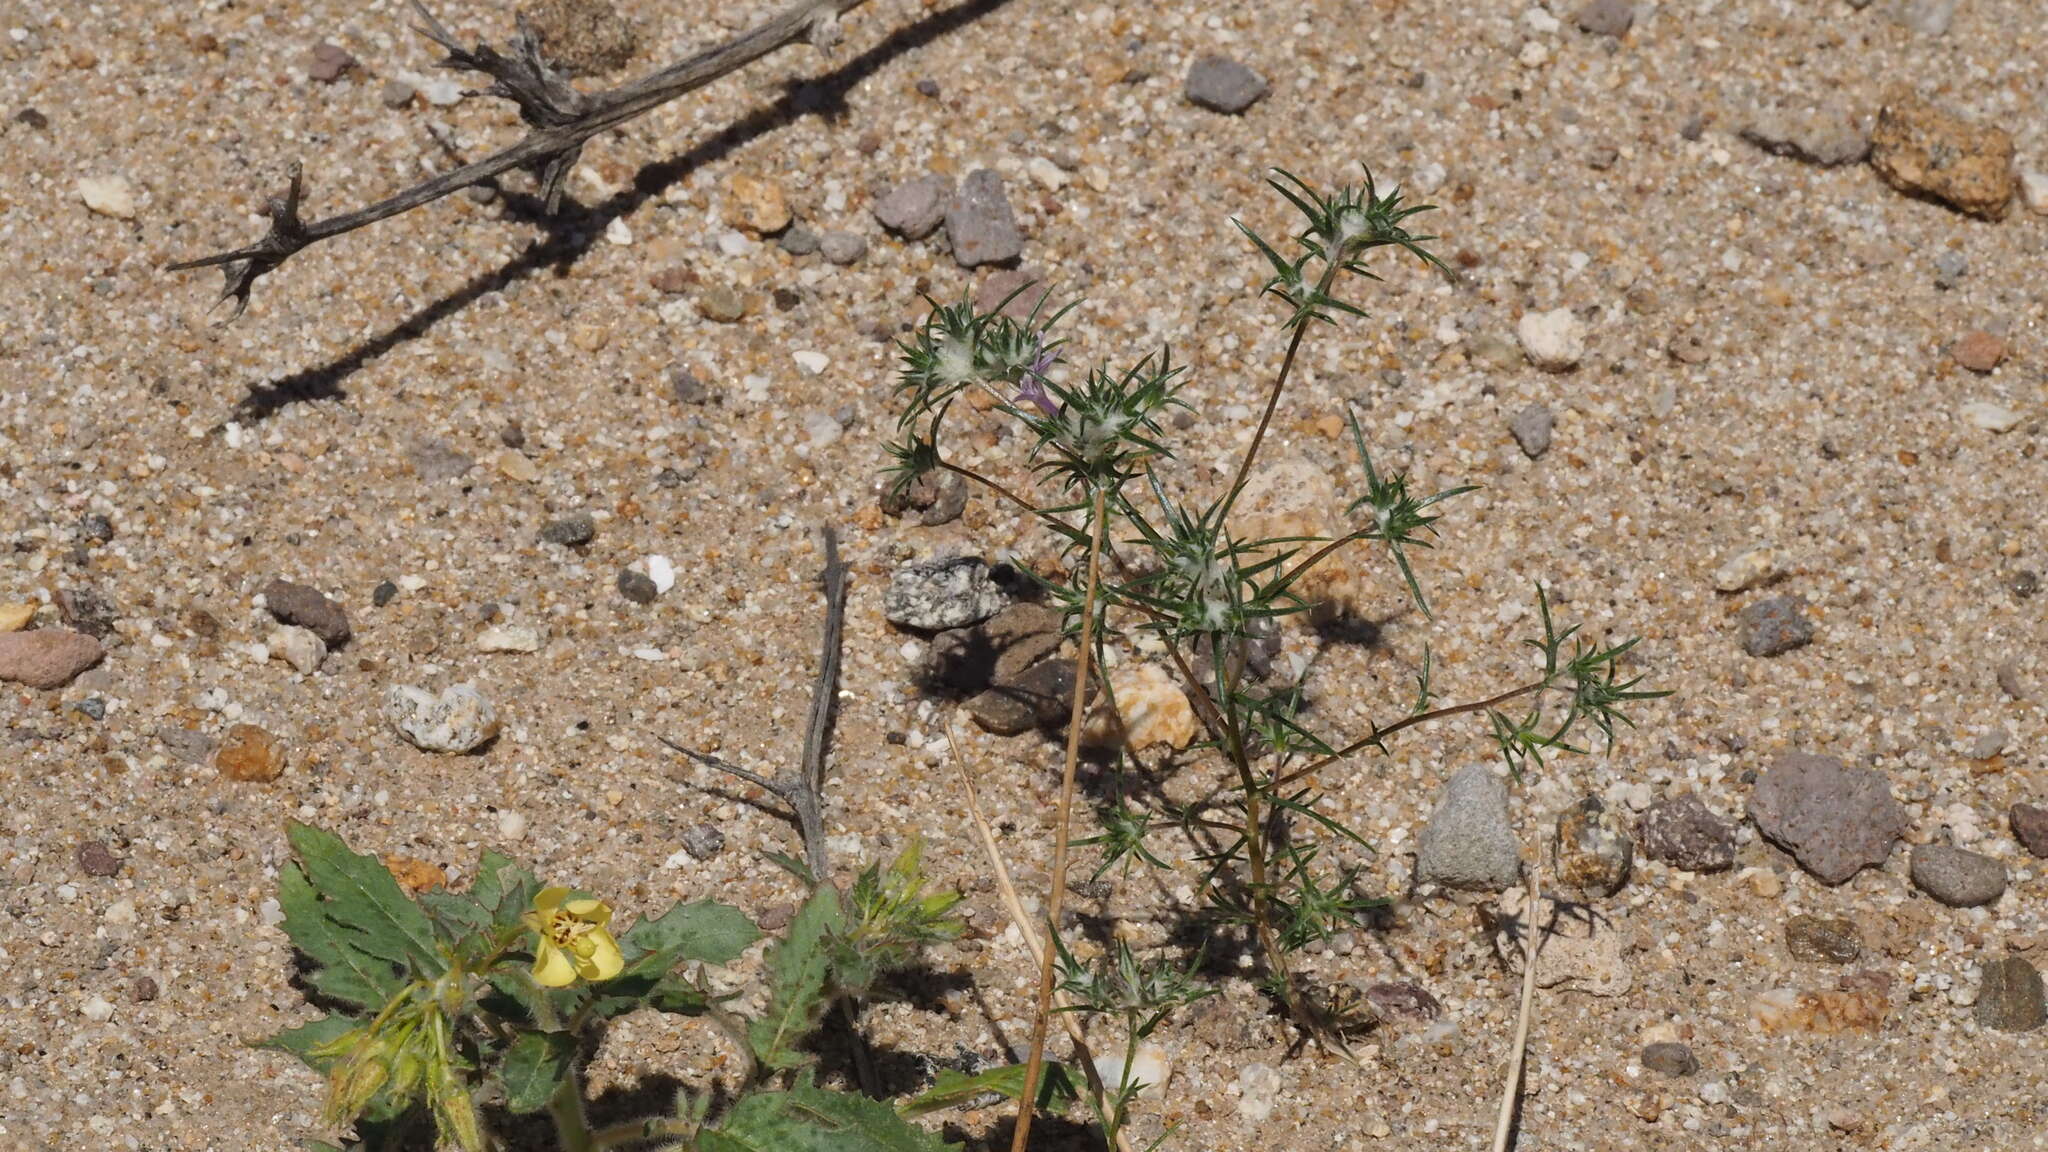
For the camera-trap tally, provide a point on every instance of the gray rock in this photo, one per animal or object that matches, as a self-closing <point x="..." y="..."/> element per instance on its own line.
<point x="1989" y="744"/>
<point x="88" y="611"/>
<point x="798" y="241"/>
<point x="437" y="462"/>
<point x="1592" y="850"/>
<point x="1834" y="819"/>
<point x="936" y="497"/>
<point x="1606" y="18"/>
<point x="1776" y="626"/>
<point x="1957" y="877"/>
<point x="384" y="593"/>
<point x="1826" y="136"/>
<point x="1669" y="1059"/>
<point x="843" y="247"/>
<point x="940" y="594"/>
<point x="1822" y="940"/>
<point x="460" y="719"/>
<point x="1927" y="18"/>
<point x="703" y="841"/>
<point x="1221" y="84"/>
<point x="309" y="609"/>
<point x="2011" y="998"/>
<point x="637" y="586"/>
<point x="915" y="208"/>
<point x="571" y="531"/>
<point x="96" y="859"/>
<point x="186" y="744"/>
<point x="684" y="385"/>
<point x="47" y="657"/>
<point x="2030" y="827"/>
<point x="1042" y="694"/>
<point x="980" y="223"/>
<point x="396" y="94"/>
<point x="1682" y="832"/>
<point x="1468" y="842"/>
<point x="328" y="62"/>
<point x="1950" y="266"/>
<point x="1531" y="428"/>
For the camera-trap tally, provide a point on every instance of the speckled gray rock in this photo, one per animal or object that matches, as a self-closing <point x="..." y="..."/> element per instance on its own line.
<point x="1605" y="17"/>
<point x="1825" y="135"/>
<point x="2011" y="998"/>
<point x="798" y="241"/>
<point x="1531" y="429"/>
<point x="981" y="224"/>
<point x="1683" y="833"/>
<point x="571" y="531"/>
<point x="842" y="247"/>
<point x="2030" y="827"/>
<point x="703" y="841"/>
<point x="1957" y="877"/>
<point x="914" y="209"/>
<point x="460" y="719"/>
<point x="1670" y="1059"/>
<point x="47" y="657"/>
<point x="1834" y="819"/>
<point x="1468" y="842"/>
<point x="309" y="609"/>
<point x="1776" y="626"/>
<point x="1221" y="84"/>
<point x="1822" y="939"/>
<point x="940" y="594"/>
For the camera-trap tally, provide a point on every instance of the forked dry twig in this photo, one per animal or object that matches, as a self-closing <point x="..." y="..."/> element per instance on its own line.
<point x="560" y="120"/>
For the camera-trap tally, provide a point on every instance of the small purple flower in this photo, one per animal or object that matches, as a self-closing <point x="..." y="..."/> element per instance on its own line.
<point x="1032" y="387"/>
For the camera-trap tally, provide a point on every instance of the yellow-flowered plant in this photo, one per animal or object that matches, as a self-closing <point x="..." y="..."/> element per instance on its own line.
<point x="573" y="941"/>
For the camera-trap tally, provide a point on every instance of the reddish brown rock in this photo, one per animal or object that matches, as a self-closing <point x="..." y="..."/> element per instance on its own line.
<point x="1978" y="350"/>
<point x="1924" y="151"/>
<point x="47" y="657"/>
<point x="249" y="754"/>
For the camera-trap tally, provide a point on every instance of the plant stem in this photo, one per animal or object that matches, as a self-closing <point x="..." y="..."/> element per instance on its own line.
<point x="1244" y="466"/>
<point x="566" y="1107"/>
<point x="1379" y="734"/>
<point x="1035" y="1065"/>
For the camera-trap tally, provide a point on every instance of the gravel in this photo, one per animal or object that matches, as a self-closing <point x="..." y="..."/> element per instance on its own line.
<point x="1775" y="626"/>
<point x="571" y="531"/>
<point x="459" y="719"/>
<point x="1822" y="939"/>
<point x="2011" y="997"/>
<point x="1668" y="1058"/>
<point x="307" y="608"/>
<point x="1531" y="430"/>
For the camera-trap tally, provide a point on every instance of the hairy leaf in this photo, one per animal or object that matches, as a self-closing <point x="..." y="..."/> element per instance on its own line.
<point x="534" y="1066"/>
<point x="808" y="1118"/>
<point x="358" y="895"/>
<point x="954" y="1089"/>
<point x="799" y="977"/>
<point x="342" y="970"/>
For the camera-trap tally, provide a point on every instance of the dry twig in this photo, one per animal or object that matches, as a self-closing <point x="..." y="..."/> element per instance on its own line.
<point x="1504" y="1127"/>
<point x="560" y="120"/>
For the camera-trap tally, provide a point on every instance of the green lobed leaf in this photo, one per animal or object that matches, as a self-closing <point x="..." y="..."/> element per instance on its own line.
<point x="954" y="1089"/>
<point x="808" y="1118"/>
<point x="535" y="1065"/>
<point x="342" y="970"/>
<point x="799" y="974"/>
<point x="359" y="896"/>
<point x="702" y="930"/>
<point x="502" y="890"/>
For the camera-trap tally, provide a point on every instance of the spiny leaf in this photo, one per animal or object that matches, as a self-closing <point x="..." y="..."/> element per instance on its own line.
<point x="534" y="1067"/>
<point x="811" y="1119"/>
<point x="343" y="971"/>
<point x="799" y="973"/>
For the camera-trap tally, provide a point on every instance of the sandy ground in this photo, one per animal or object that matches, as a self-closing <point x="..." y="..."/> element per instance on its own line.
<point x="1825" y="418"/>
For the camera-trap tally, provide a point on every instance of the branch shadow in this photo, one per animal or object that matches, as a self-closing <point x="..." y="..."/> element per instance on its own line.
<point x="571" y="235"/>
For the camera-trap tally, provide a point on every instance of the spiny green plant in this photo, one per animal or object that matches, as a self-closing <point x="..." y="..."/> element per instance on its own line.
<point x="1141" y="562"/>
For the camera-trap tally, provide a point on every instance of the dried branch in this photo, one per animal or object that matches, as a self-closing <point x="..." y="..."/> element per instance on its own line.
<point x="803" y="790"/>
<point x="560" y="119"/>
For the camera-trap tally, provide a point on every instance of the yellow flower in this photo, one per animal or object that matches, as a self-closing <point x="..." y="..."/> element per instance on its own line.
<point x="573" y="939"/>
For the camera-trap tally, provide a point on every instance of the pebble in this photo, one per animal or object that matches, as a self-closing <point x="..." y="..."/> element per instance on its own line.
<point x="2010" y="998"/>
<point x="1148" y="1067"/>
<point x="1825" y="135"/>
<point x="308" y="608"/>
<point x="1682" y="832"/>
<point x="1670" y="1059"/>
<point x="843" y="248"/>
<point x="758" y="205"/>
<point x="1392" y="1001"/>
<point x="813" y="363"/>
<point x="721" y="303"/>
<point x="981" y="224"/>
<point x="145" y="990"/>
<point x="662" y="571"/>
<point x="571" y="531"/>
<point x="329" y="62"/>
<point x="514" y="465"/>
<point x="250" y="754"/>
<point x="1926" y="18"/>
<point x="1224" y="85"/>
<point x="1776" y="626"/>
<point x="1990" y="417"/>
<point x="92" y="708"/>
<point x="1554" y="341"/>
<point x="460" y="719"/>
<point x="686" y="387"/>
<point x="637" y="586"/>
<point x="1834" y="819"/>
<point x="186" y="744"/>
<point x="1749" y="569"/>
<point x="1978" y="350"/>
<point x="1923" y="151"/>
<point x="1822" y="940"/>
<point x="1258" y="1089"/>
<point x="1950" y="266"/>
<point x="511" y="825"/>
<point x="915" y="209"/>
<point x="509" y="638"/>
<point x="703" y="841"/>
<point x="396" y="94"/>
<point x="108" y="196"/>
<point x="47" y="657"/>
<point x="1468" y="842"/>
<point x="97" y="1010"/>
<point x="798" y="241"/>
<point x="87" y="611"/>
<point x="2030" y="827"/>
<point x="1156" y="713"/>
<point x="96" y="859"/>
<point x="298" y="647"/>
<point x="15" y="617"/>
<point x="1046" y="174"/>
<point x="1592" y="851"/>
<point x="1531" y="430"/>
<point x="1989" y="743"/>
<point x="384" y="593"/>
<point x="442" y="93"/>
<point x="1957" y="877"/>
<point x="2034" y="191"/>
<point x="938" y="594"/>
